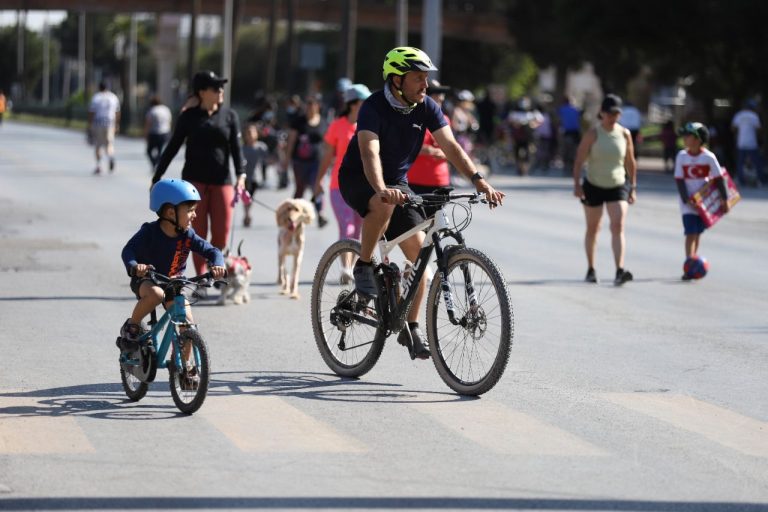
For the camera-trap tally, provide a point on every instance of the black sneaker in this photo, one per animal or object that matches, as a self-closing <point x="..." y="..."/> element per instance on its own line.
<point x="591" y="276"/>
<point x="365" y="280"/>
<point x="129" y="336"/>
<point x="686" y="277"/>
<point x="622" y="276"/>
<point x="321" y="221"/>
<point x="420" y="347"/>
<point x="111" y="165"/>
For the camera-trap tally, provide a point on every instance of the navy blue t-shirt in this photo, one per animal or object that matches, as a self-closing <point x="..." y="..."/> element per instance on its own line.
<point x="167" y="254"/>
<point x="400" y="135"/>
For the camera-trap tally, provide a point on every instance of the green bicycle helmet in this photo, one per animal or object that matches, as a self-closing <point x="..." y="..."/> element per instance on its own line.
<point x="403" y="59"/>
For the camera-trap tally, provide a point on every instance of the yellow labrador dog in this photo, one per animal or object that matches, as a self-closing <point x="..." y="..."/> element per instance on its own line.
<point x="291" y="215"/>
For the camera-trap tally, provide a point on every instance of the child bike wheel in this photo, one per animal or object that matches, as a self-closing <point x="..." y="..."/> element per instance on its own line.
<point x="189" y="383"/>
<point x="346" y="328"/>
<point x="470" y="357"/>
<point x="134" y="389"/>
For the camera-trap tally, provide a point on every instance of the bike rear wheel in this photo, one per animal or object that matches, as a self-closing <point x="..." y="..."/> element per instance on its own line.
<point x="346" y="328"/>
<point x="470" y="357"/>
<point x="189" y="383"/>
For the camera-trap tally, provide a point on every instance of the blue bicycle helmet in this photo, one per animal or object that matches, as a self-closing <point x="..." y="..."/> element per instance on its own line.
<point x="174" y="192"/>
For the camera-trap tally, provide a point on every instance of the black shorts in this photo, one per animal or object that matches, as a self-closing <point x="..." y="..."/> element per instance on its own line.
<point x="357" y="192"/>
<point x="596" y="196"/>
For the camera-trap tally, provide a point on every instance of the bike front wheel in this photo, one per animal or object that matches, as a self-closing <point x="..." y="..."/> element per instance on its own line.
<point x="471" y="350"/>
<point x="346" y="328"/>
<point x="189" y="382"/>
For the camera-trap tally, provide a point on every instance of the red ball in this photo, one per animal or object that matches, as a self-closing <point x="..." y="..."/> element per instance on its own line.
<point x="696" y="267"/>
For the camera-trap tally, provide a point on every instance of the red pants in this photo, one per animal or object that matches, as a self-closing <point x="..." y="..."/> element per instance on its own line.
<point x="216" y="204"/>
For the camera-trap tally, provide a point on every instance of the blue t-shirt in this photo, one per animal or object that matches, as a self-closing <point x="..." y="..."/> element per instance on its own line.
<point x="167" y="254"/>
<point x="400" y="135"/>
<point x="570" y="118"/>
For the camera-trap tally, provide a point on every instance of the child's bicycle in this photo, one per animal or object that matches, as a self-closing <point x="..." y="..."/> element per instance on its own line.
<point x="469" y="314"/>
<point x="188" y="364"/>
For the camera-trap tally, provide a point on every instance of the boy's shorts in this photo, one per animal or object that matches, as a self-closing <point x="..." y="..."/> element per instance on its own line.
<point x="693" y="224"/>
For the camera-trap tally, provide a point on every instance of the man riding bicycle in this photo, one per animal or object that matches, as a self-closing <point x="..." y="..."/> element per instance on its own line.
<point x="372" y="178"/>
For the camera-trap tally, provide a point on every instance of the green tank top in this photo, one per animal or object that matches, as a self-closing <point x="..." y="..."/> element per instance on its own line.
<point x="605" y="167"/>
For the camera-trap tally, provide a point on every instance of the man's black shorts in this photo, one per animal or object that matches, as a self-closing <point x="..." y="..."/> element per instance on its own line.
<point x="596" y="196"/>
<point x="356" y="192"/>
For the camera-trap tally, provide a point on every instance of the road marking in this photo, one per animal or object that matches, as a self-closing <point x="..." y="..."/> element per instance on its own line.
<point x="269" y="424"/>
<point x="25" y="428"/>
<point x="503" y="430"/>
<point x="723" y="426"/>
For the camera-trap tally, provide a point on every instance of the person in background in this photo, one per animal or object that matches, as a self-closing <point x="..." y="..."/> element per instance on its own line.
<point x="255" y="153"/>
<point x="632" y="120"/>
<point x="694" y="166"/>
<point x="569" y="121"/>
<point x="746" y="125"/>
<point x="157" y="129"/>
<point x="212" y="136"/>
<point x="2" y="105"/>
<point x="430" y="170"/>
<point x="336" y="140"/>
<point x="668" y="138"/>
<point x="103" y="123"/>
<point x="607" y="150"/>
<point x="303" y="149"/>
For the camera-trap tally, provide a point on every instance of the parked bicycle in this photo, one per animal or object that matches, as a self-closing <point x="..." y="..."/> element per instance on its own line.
<point x="469" y="313"/>
<point x="188" y="362"/>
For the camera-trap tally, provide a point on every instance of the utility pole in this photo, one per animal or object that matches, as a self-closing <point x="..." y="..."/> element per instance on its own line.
<point x="402" y="23"/>
<point x="431" y="31"/>
<point x="226" y="65"/>
<point x="21" y="27"/>
<point x="46" y="61"/>
<point x="192" y="42"/>
<point x="269" y="81"/>
<point x="81" y="52"/>
<point x="348" y="38"/>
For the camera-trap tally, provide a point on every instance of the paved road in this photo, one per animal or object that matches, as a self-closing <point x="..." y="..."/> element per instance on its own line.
<point x="646" y="397"/>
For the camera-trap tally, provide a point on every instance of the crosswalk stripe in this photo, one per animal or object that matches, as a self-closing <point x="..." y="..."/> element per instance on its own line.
<point x="723" y="426"/>
<point x="269" y="424"/>
<point x="23" y="430"/>
<point x="504" y="430"/>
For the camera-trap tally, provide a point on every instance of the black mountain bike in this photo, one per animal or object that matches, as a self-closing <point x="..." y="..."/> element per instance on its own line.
<point x="469" y="313"/>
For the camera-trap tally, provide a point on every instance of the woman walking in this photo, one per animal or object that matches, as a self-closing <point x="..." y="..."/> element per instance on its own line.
<point x="212" y="135"/>
<point x="610" y="180"/>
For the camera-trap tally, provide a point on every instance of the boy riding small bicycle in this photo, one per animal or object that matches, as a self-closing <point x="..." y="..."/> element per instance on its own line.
<point x="164" y="246"/>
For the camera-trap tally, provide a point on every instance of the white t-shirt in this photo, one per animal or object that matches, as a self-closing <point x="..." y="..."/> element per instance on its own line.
<point x="746" y="123"/>
<point x="159" y="118"/>
<point x="695" y="170"/>
<point x="104" y="106"/>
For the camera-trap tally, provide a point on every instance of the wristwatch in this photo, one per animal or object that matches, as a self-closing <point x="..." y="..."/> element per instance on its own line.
<point x="476" y="176"/>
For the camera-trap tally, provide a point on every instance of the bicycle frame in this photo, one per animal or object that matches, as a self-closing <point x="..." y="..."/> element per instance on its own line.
<point x="176" y="315"/>
<point x="438" y="227"/>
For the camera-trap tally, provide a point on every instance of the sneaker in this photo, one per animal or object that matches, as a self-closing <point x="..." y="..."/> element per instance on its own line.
<point x="321" y="221"/>
<point x="622" y="276"/>
<point x="591" y="276"/>
<point x="365" y="280"/>
<point x="686" y="277"/>
<point x="111" y="165"/>
<point x="129" y="336"/>
<point x="246" y="222"/>
<point x="97" y="171"/>
<point x="420" y="348"/>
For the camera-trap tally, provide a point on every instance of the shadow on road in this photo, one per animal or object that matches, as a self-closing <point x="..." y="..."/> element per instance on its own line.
<point x="108" y="401"/>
